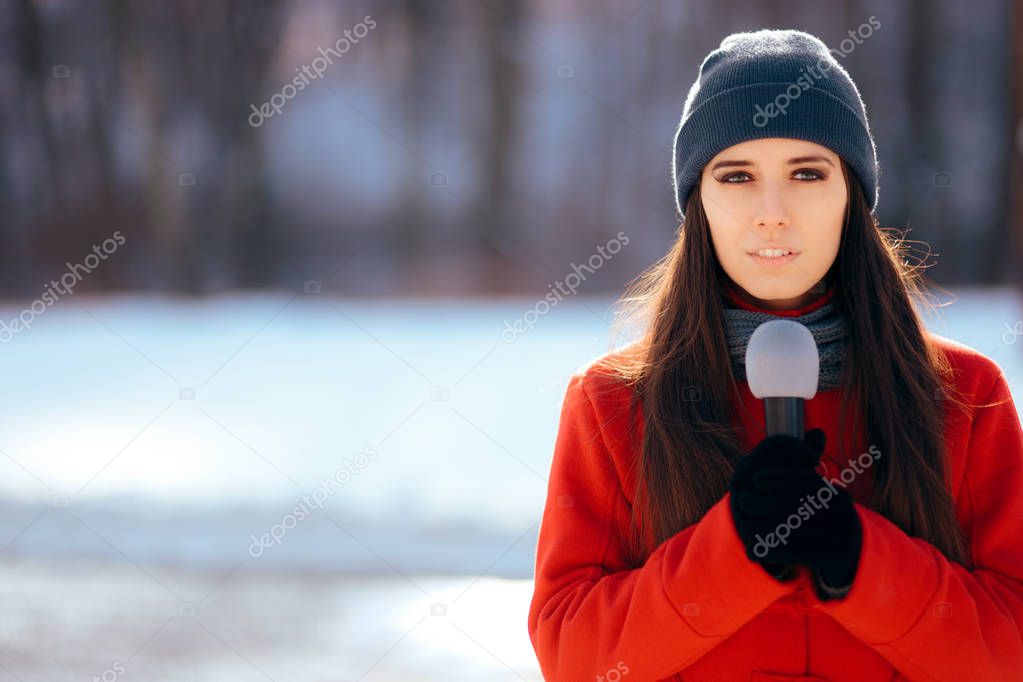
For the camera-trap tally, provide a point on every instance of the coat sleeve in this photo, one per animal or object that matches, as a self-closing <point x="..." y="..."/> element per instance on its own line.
<point x="592" y="614"/>
<point x="930" y="617"/>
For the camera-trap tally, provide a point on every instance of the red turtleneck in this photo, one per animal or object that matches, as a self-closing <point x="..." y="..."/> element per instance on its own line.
<point x="733" y="295"/>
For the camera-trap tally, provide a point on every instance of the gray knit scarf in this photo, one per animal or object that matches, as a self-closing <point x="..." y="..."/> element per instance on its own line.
<point x="825" y="323"/>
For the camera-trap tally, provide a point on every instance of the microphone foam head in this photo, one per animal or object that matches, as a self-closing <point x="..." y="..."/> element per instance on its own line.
<point x="782" y="361"/>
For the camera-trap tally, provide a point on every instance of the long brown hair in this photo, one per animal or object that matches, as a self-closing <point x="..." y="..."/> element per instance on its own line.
<point x="682" y="375"/>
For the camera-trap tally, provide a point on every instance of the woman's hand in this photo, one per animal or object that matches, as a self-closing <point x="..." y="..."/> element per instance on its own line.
<point x="774" y="452"/>
<point x="826" y="535"/>
<point x="787" y="514"/>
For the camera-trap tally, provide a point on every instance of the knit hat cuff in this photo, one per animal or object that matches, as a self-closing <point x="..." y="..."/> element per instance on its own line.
<point x="765" y="109"/>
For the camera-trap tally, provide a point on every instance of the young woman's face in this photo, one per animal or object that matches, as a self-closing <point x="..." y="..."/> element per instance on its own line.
<point x="775" y="193"/>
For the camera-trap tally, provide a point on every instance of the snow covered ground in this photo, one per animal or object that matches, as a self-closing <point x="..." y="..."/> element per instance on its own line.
<point x="296" y="487"/>
<point x="75" y="620"/>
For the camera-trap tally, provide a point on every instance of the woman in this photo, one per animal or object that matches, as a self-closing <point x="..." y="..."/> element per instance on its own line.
<point x="656" y="558"/>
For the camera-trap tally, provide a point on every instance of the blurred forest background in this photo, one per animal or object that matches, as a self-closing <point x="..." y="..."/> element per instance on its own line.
<point x="457" y="147"/>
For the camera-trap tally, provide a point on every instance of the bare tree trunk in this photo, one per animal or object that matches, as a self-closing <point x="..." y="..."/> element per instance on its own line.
<point x="921" y="89"/>
<point x="417" y="100"/>
<point x="171" y="243"/>
<point x="253" y="235"/>
<point x="504" y="75"/>
<point x="34" y="78"/>
<point x="1012" y="239"/>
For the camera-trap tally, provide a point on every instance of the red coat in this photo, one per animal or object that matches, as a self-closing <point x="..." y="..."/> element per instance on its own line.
<point x="698" y="609"/>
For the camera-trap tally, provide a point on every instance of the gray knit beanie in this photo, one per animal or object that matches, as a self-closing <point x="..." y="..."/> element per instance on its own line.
<point x="772" y="83"/>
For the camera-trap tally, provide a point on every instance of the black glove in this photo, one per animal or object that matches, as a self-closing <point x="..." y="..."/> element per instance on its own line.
<point x="774" y="452"/>
<point x="829" y="540"/>
<point x="826" y="536"/>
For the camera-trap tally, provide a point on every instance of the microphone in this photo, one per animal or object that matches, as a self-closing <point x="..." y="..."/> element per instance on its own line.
<point x="783" y="368"/>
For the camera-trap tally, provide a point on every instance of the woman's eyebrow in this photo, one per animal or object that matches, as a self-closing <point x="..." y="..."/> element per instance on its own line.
<point x="810" y="159"/>
<point x="798" y="159"/>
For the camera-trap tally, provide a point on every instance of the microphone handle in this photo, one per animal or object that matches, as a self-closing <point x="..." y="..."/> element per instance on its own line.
<point x="784" y="416"/>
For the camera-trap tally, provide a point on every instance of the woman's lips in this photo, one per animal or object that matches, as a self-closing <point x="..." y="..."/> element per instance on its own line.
<point x="775" y="262"/>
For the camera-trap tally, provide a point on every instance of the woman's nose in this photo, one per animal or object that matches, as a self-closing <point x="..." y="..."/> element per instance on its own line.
<point x="772" y="213"/>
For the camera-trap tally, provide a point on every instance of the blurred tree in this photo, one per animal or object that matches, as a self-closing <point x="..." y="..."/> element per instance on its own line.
<point x="504" y="74"/>
<point x="1014" y="227"/>
<point x="417" y="100"/>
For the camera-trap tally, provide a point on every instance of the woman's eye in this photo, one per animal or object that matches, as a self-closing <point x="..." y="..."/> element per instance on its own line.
<point x="729" y="178"/>
<point x="814" y="175"/>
